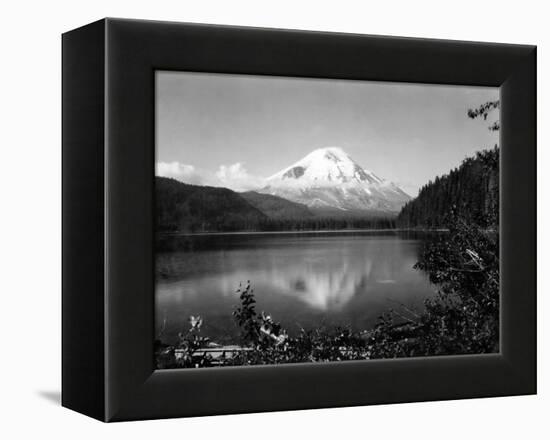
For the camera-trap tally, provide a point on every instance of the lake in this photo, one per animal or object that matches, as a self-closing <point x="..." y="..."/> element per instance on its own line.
<point x="301" y="279"/>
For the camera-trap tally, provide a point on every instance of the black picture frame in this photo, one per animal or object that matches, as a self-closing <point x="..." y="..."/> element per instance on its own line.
<point x="108" y="193"/>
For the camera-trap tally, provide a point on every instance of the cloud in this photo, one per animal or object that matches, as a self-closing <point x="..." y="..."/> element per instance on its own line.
<point x="236" y="177"/>
<point x="179" y="171"/>
<point x="233" y="176"/>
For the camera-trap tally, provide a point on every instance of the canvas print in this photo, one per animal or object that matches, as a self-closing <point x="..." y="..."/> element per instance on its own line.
<point x="303" y="220"/>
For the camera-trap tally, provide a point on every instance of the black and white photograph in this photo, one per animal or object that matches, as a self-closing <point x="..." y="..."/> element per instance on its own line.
<point x="302" y="220"/>
<point x="275" y="220"/>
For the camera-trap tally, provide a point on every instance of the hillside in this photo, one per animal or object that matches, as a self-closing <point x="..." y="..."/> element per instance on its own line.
<point x="190" y="208"/>
<point x="471" y="191"/>
<point x="276" y="207"/>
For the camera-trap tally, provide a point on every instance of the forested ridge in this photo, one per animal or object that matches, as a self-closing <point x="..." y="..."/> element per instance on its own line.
<point x="470" y="191"/>
<point x="189" y="208"/>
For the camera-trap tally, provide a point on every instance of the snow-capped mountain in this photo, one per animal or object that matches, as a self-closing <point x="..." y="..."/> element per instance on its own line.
<point x="328" y="178"/>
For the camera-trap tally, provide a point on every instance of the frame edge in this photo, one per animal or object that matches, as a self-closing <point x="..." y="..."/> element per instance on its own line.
<point x="83" y="99"/>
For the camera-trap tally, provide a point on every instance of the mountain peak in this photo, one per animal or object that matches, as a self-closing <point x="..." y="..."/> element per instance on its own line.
<point x="329" y="152"/>
<point x="330" y="166"/>
<point x="329" y="177"/>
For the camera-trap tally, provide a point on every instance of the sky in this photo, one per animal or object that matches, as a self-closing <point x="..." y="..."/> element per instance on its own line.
<point x="236" y="130"/>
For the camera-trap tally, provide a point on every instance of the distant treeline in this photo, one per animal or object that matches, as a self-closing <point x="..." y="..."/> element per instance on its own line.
<point x="326" y="223"/>
<point x="470" y="191"/>
<point x="188" y="208"/>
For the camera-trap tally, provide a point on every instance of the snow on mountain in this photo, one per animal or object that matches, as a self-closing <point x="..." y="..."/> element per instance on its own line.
<point x="328" y="178"/>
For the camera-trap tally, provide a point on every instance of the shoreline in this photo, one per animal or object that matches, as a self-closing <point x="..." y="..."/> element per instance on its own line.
<point x="306" y="232"/>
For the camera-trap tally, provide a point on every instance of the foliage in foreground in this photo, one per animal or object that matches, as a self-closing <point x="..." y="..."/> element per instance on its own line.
<point x="462" y="318"/>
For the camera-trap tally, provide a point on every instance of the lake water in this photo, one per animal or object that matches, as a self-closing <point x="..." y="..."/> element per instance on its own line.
<point x="301" y="280"/>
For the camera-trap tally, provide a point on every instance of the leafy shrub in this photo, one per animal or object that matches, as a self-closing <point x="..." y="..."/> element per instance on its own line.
<point x="269" y="343"/>
<point x="464" y="317"/>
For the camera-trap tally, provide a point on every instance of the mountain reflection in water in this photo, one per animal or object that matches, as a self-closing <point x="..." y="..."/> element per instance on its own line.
<point x="301" y="280"/>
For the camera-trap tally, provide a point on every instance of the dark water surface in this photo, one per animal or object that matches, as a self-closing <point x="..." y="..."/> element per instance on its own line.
<point x="301" y="280"/>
